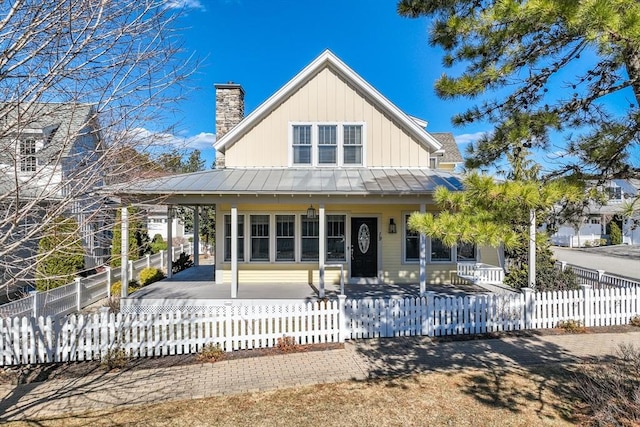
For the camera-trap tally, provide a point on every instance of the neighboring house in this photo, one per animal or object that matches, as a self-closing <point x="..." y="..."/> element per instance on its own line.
<point x="157" y="223"/>
<point x="44" y="150"/>
<point x="324" y="173"/>
<point x="597" y="219"/>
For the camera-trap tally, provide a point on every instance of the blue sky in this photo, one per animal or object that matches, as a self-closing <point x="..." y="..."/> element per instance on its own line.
<point x="263" y="44"/>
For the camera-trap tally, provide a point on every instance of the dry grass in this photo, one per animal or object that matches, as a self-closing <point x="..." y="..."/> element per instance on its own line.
<point x="469" y="398"/>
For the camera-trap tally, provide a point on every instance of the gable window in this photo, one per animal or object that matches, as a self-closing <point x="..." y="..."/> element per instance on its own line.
<point x="285" y="237"/>
<point x="327" y="144"/>
<point x="310" y="239"/>
<point x="227" y="237"/>
<point x="302" y="145"/>
<point x="28" y="155"/>
<point x="614" y="193"/>
<point x="259" y="237"/>
<point x="411" y="243"/>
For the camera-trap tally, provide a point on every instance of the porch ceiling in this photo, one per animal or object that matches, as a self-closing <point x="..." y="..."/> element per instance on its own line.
<point x="289" y="181"/>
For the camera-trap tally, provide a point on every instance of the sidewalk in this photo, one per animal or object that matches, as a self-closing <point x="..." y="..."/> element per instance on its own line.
<point x="359" y="360"/>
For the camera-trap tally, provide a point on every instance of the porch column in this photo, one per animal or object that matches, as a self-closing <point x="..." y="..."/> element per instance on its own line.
<point x="532" y="248"/>
<point x="169" y="241"/>
<point x="321" y="247"/>
<point x="423" y="257"/>
<point x="124" y="252"/>
<point x="234" y="251"/>
<point x="196" y="235"/>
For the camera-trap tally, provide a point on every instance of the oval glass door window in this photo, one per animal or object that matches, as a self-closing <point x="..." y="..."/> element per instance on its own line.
<point x="364" y="238"/>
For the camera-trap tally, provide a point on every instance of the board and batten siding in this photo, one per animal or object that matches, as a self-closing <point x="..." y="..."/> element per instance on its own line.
<point x="327" y="98"/>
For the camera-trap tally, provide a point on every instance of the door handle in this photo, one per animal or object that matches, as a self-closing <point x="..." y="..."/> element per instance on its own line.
<point x="351" y="250"/>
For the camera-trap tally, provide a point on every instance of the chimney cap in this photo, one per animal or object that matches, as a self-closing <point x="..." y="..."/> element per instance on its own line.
<point x="229" y="85"/>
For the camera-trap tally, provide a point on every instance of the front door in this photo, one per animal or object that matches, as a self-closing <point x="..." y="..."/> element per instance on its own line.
<point x="364" y="247"/>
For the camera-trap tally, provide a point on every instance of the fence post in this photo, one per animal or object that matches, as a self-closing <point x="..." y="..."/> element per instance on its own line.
<point x="228" y="320"/>
<point x="181" y="247"/>
<point x="600" y="274"/>
<point x="78" y="293"/>
<point x="104" y="331"/>
<point x="34" y="308"/>
<point x="588" y="304"/>
<point x="430" y="315"/>
<point x="148" y="260"/>
<point x="342" y="318"/>
<point x="109" y="279"/>
<point x="528" y="307"/>
<point x="162" y="259"/>
<point x="563" y="265"/>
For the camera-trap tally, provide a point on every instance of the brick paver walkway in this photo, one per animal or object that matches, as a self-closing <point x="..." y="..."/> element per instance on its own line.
<point x="358" y="360"/>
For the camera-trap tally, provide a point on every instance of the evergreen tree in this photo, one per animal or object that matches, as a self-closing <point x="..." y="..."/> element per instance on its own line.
<point x="60" y="255"/>
<point x="139" y="243"/>
<point x="542" y="66"/>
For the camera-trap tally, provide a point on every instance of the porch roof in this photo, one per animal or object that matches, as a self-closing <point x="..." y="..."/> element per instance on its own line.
<point x="297" y="181"/>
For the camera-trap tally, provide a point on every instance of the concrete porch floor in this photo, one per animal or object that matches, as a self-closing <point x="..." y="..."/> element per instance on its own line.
<point x="199" y="283"/>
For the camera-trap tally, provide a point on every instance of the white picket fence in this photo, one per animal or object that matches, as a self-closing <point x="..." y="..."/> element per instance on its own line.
<point x="598" y="278"/>
<point x="480" y="273"/>
<point x="83" y="291"/>
<point x="232" y="327"/>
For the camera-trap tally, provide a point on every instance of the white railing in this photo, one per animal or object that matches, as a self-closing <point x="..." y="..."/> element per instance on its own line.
<point x="233" y="327"/>
<point x="598" y="278"/>
<point x="480" y="273"/>
<point x="83" y="291"/>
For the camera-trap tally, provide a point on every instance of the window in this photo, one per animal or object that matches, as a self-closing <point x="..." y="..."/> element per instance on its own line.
<point x="259" y="237"/>
<point x="466" y="252"/>
<point x="411" y="243"/>
<point x="285" y="237"/>
<point x="302" y="145"/>
<point x="227" y="237"/>
<point x="327" y="145"/>
<point x="335" y="238"/>
<point x="440" y="252"/>
<point x="352" y="141"/>
<point x="310" y="239"/>
<point x="28" y="155"/>
<point x="614" y="193"/>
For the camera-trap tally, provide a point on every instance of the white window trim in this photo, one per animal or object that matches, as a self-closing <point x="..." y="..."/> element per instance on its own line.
<point x="404" y="241"/>
<point x="39" y="145"/>
<point x="339" y="144"/>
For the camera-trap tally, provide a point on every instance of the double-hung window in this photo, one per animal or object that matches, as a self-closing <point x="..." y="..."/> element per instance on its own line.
<point x="302" y="145"/>
<point x="352" y="144"/>
<point x="259" y="237"/>
<point x="310" y="239"/>
<point x="335" y="238"/>
<point x="466" y="252"/>
<point x="439" y="251"/>
<point x="28" y="155"/>
<point x="285" y="237"/>
<point x="327" y="144"/>
<point x="411" y="243"/>
<point x="227" y="237"/>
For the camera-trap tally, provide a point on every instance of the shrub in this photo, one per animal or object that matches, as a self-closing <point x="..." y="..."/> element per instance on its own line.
<point x="150" y="275"/>
<point x="611" y="391"/>
<point x="615" y="234"/>
<point x="572" y="326"/>
<point x="288" y="344"/>
<point x="60" y="254"/>
<point x="115" y="358"/>
<point x="116" y="287"/>
<point x="183" y="262"/>
<point x="635" y="321"/>
<point x="210" y="353"/>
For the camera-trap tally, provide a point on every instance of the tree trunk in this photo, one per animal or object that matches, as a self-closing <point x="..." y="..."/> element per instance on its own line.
<point x="631" y="55"/>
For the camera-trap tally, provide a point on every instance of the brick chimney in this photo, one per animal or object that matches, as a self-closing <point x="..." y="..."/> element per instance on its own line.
<point x="229" y="111"/>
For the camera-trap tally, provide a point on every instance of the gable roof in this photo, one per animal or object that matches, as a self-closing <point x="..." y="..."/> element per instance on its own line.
<point x="60" y="125"/>
<point x="327" y="60"/>
<point x="450" y="147"/>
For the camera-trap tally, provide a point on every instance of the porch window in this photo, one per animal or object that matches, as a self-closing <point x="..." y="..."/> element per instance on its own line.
<point x="302" y="145"/>
<point x="335" y="238"/>
<point x="466" y="252"/>
<point x="352" y="145"/>
<point x="310" y="239"/>
<point x="227" y="237"/>
<point x="285" y="238"/>
<point x="28" y="155"/>
<point x="411" y="243"/>
<point x="259" y="237"/>
<point x="327" y="144"/>
<point x="440" y="252"/>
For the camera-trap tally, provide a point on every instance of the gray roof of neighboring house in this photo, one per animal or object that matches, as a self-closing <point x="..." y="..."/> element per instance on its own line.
<point x="450" y="147"/>
<point x="61" y="124"/>
<point x="357" y="181"/>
